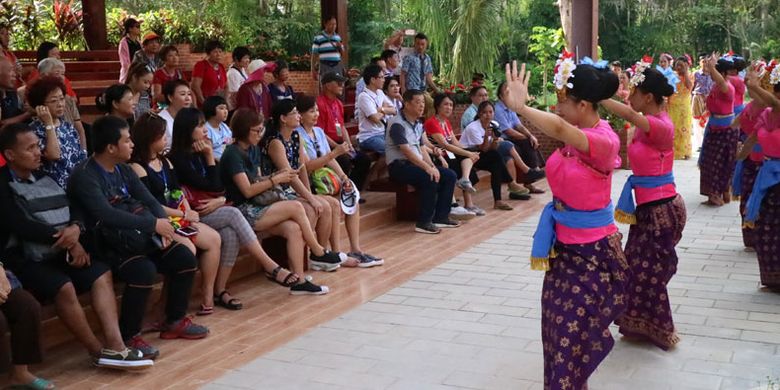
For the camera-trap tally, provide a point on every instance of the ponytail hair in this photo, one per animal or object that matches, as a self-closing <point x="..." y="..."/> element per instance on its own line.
<point x="105" y="101"/>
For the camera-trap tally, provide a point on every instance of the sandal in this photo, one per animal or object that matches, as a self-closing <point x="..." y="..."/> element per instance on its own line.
<point x="502" y="206"/>
<point x="36" y="384"/>
<point x="232" y="304"/>
<point x="288" y="281"/>
<point x="205" y="310"/>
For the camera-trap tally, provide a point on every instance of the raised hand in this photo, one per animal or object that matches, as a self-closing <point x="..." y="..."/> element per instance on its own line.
<point x="516" y="94"/>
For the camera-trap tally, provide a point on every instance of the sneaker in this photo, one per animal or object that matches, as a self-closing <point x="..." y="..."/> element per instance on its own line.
<point x="447" y="224"/>
<point x="465" y="185"/>
<point x="129" y="359"/>
<point x="184" y="329"/>
<point x="461" y="214"/>
<point x="519" y="190"/>
<point x="478" y="211"/>
<point x="533" y="175"/>
<point x="428" y="228"/>
<point x="139" y="344"/>
<point x="366" y="261"/>
<point x="519" y="196"/>
<point x="328" y="262"/>
<point x="308" y="288"/>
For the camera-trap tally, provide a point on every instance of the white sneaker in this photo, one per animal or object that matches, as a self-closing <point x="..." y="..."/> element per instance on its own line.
<point x="461" y="214"/>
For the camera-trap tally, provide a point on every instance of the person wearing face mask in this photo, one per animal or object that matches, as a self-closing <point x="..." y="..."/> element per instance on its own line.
<point x="578" y="224"/>
<point x="209" y="76"/>
<point x="658" y="219"/>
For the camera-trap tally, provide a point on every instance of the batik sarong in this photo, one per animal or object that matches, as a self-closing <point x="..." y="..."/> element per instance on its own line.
<point x="767" y="238"/>
<point x="749" y="172"/>
<point x="718" y="158"/>
<point x="653" y="260"/>
<point x="583" y="292"/>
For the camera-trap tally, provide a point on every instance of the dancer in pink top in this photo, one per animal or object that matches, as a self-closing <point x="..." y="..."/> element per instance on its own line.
<point x="576" y="241"/>
<point x="659" y="219"/>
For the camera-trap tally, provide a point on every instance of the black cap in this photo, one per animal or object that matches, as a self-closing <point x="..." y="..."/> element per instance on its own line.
<point x="332" y="76"/>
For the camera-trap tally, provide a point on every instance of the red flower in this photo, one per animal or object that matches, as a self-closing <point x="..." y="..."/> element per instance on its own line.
<point x="552" y="108"/>
<point x="461" y="86"/>
<point x="648" y="59"/>
<point x="626" y="125"/>
<point x="566" y="54"/>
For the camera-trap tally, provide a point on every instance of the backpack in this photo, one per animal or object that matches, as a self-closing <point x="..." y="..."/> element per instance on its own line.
<point x="44" y="201"/>
<point x="325" y="181"/>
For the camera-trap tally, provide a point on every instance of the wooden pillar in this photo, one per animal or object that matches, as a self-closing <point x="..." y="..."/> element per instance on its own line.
<point x="582" y="36"/>
<point x="95" y="32"/>
<point x="338" y="8"/>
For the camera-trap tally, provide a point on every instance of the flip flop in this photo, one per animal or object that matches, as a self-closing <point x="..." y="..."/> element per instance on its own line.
<point x="36" y="384"/>
<point x="205" y="310"/>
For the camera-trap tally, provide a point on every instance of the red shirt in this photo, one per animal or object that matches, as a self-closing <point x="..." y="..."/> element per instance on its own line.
<point x="161" y="77"/>
<point x="433" y="126"/>
<point x="331" y="112"/>
<point x="213" y="80"/>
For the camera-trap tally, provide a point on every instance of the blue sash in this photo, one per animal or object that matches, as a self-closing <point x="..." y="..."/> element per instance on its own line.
<point x="768" y="176"/>
<point x="555" y="212"/>
<point x="736" y="181"/>
<point x="624" y="213"/>
<point x="738" y="109"/>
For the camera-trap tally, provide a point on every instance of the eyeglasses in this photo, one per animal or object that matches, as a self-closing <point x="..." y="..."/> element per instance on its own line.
<point x="258" y="131"/>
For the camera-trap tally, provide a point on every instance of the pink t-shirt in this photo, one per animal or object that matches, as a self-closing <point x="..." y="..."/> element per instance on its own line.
<point x="651" y="153"/>
<point x="739" y="90"/>
<point x="769" y="133"/>
<point x="720" y="103"/>
<point x="750" y="120"/>
<point x="584" y="181"/>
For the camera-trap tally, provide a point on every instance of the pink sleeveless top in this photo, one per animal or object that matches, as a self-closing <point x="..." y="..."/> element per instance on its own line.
<point x="770" y="140"/>
<point x="739" y="90"/>
<point x="651" y="153"/>
<point x="720" y="103"/>
<point x="750" y="120"/>
<point x="584" y="181"/>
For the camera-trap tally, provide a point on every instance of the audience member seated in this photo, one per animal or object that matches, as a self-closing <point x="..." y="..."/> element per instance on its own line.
<point x="331" y="121"/>
<point x="177" y="95"/>
<point x="43" y="247"/>
<point x="215" y="109"/>
<point x="280" y="89"/>
<point x="439" y="130"/>
<point x="281" y="151"/>
<point x="263" y="206"/>
<point x="209" y="76"/>
<point x="60" y="142"/>
<point x="139" y="79"/>
<point x="117" y="100"/>
<point x="11" y="104"/>
<point x="372" y="108"/>
<point x="169" y="71"/>
<point x="478" y="94"/>
<point x="158" y="176"/>
<point x="197" y="171"/>
<point x="237" y="74"/>
<point x="392" y="90"/>
<point x="20" y="315"/>
<point x="49" y="50"/>
<point x="253" y="93"/>
<point x="128" y="45"/>
<point x="410" y="164"/>
<point x="360" y="86"/>
<point x="149" y="53"/>
<point x="526" y="143"/>
<point x="483" y="136"/>
<point x="319" y="156"/>
<point x="134" y="234"/>
<point x="55" y="68"/>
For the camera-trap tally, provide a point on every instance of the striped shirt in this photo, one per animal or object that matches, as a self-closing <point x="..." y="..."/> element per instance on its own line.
<point x="325" y="46"/>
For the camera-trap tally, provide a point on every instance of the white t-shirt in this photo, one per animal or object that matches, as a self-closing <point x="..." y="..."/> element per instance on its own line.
<point x="369" y="103"/>
<point x="168" y="127"/>
<point x="473" y="135"/>
<point x="234" y="80"/>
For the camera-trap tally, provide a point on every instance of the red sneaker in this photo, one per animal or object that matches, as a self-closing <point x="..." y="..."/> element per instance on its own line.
<point x="184" y="329"/>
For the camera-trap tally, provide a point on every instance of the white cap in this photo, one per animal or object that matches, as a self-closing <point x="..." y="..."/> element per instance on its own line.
<point x="255" y="65"/>
<point x="349" y="199"/>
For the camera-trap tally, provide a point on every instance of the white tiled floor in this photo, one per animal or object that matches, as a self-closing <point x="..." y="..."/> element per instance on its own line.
<point x="473" y="323"/>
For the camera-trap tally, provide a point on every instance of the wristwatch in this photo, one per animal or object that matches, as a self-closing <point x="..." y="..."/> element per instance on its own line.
<point x="49" y="127"/>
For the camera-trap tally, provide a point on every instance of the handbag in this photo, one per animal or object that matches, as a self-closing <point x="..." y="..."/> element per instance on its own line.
<point x="127" y="242"/>
<point x="325" y="181"/>
<point x="272" y="195"/>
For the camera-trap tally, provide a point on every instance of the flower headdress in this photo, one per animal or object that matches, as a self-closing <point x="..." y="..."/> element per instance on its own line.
<point x="564" y="70"/>
<point x="638" y="71"/>
<point x="774" y="72"/>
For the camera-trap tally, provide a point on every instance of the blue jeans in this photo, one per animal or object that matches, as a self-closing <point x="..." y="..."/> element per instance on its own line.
<point x="374" y="144"/>
<point x="435" y="198"/>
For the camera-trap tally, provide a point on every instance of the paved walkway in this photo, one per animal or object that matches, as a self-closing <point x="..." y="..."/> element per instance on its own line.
<point x="473" y="323"/>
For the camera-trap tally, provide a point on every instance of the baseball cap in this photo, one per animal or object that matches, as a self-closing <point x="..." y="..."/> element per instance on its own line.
<point x="151" y="35"/>
<point x="333" y="76"/>
<point x="349" y="199"/>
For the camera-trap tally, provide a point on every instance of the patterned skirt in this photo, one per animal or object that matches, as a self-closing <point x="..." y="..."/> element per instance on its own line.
<point x="749" y="172"/>
<point x="653" y="260"/>
<point x="717" y="161"/>
<point x="767" y="235"/>
<point x="583" y="293"/>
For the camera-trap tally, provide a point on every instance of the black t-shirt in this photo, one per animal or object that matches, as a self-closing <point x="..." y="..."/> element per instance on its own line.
<point x="159" y="182"/>
<point x="235" y="161"/>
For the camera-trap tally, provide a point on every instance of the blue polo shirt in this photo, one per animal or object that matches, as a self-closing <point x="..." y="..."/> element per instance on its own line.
<point x="506" y="118"/>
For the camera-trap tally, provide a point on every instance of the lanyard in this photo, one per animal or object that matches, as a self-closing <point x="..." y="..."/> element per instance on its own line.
<point x="113" y="180"/>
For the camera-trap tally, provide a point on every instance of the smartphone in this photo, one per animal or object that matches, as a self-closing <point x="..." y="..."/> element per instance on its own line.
<point x="188" y="231"/>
